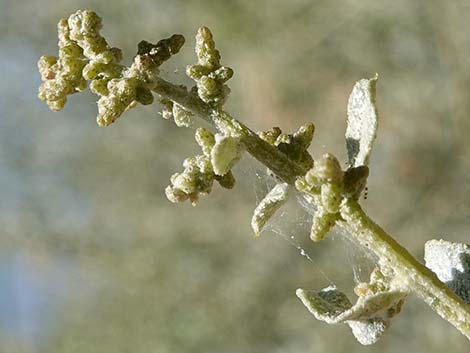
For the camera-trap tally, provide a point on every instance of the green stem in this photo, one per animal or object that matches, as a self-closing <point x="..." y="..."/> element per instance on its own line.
<point x="416" y="277"/>
<point x="268" y="155"/>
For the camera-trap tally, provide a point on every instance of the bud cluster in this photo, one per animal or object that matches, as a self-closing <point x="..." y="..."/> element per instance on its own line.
<point x="135" y="83"/>
<point x="62" y="75"/>
<point x="220" y="153"/>
<point x="84" y="55"/>
<point x="209" y="74"/>
<point x="329" y="186"/>
<point x="174" y="111"/>
<point x="293" y="145"/>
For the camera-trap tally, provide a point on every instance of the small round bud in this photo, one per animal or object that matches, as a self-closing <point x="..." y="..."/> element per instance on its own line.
<point x="328" y="169"/>
<point x="304" y="135"/>
<point x="196" y="71"/>
<point x="208" y="73"/>
<point x="185" y="182"/>
<point x="312" y="179"/>
<point x="301" y="184"/>
<point x="99" y="87"/>
<point x="181" y="116"/>
<point x="271" y="135"/>
<point x="204" y="164"/>
<point x="355" y="180"/>
<point x="144" y="96"/>
<point x="175" y="195"/>
<point x="167" y="108"/>
<point x="223" y="74"/>
<point x="57" y="105"/>
<point x="206" y="140"/>
<point x="45" y="66"/>
<point x="227" y="181"/>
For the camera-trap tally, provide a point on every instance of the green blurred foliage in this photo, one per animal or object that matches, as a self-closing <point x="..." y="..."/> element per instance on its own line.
<point x="83" y="210"/>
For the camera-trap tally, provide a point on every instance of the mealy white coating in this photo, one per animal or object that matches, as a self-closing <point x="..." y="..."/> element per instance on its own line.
<point x="380" y="300"/>
<point x="362" y="122"/>
<point x="451" y="263"/>
<point x="225" y="153"/>
<point x="268" y="206"/>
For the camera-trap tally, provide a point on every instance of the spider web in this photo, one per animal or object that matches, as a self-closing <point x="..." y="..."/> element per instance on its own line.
<point x="291" y="224"/>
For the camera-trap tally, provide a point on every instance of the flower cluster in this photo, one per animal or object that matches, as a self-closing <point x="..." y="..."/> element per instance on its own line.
<point x="209" y="74"/>
<point x="220" y="153"/>
<point x="135" y="83"/>
<point x="210" y="77"/>
<point x="327" y="185"/>
<point x="172" y="110"/>
<point x="62" y="75"/>
<point x="293" y="145"/>
<point x="84" y="55"/>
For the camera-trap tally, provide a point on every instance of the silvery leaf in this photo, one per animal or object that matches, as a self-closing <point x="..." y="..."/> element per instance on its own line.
<point x="368" y="318"/>
<point x="268" y="206"/>
<point x="362" y="122"/>
<point x="451" y="263"/>
<point x="225" y="153"/>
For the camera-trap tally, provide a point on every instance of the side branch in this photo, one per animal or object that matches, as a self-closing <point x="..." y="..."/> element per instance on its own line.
<point x="275" y="160"/>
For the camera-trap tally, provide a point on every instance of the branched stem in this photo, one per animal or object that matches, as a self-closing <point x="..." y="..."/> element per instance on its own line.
<point x="275" y="160"/>
<point x="415" y="276"/>
<point x="84" y="55"/>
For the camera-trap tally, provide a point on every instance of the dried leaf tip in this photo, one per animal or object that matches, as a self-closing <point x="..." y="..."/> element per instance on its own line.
<point x="163" y="50"/>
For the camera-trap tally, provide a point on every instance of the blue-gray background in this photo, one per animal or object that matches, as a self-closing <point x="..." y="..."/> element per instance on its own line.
<point x="93" y="258"/>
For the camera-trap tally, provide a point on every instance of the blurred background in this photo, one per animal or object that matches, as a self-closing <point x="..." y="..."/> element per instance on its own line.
<point x="93" y="258"/>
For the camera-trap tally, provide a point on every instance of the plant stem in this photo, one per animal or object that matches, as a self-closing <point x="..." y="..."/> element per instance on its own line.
<point x="416" y="277"/>
<point x="268" y="155"/>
